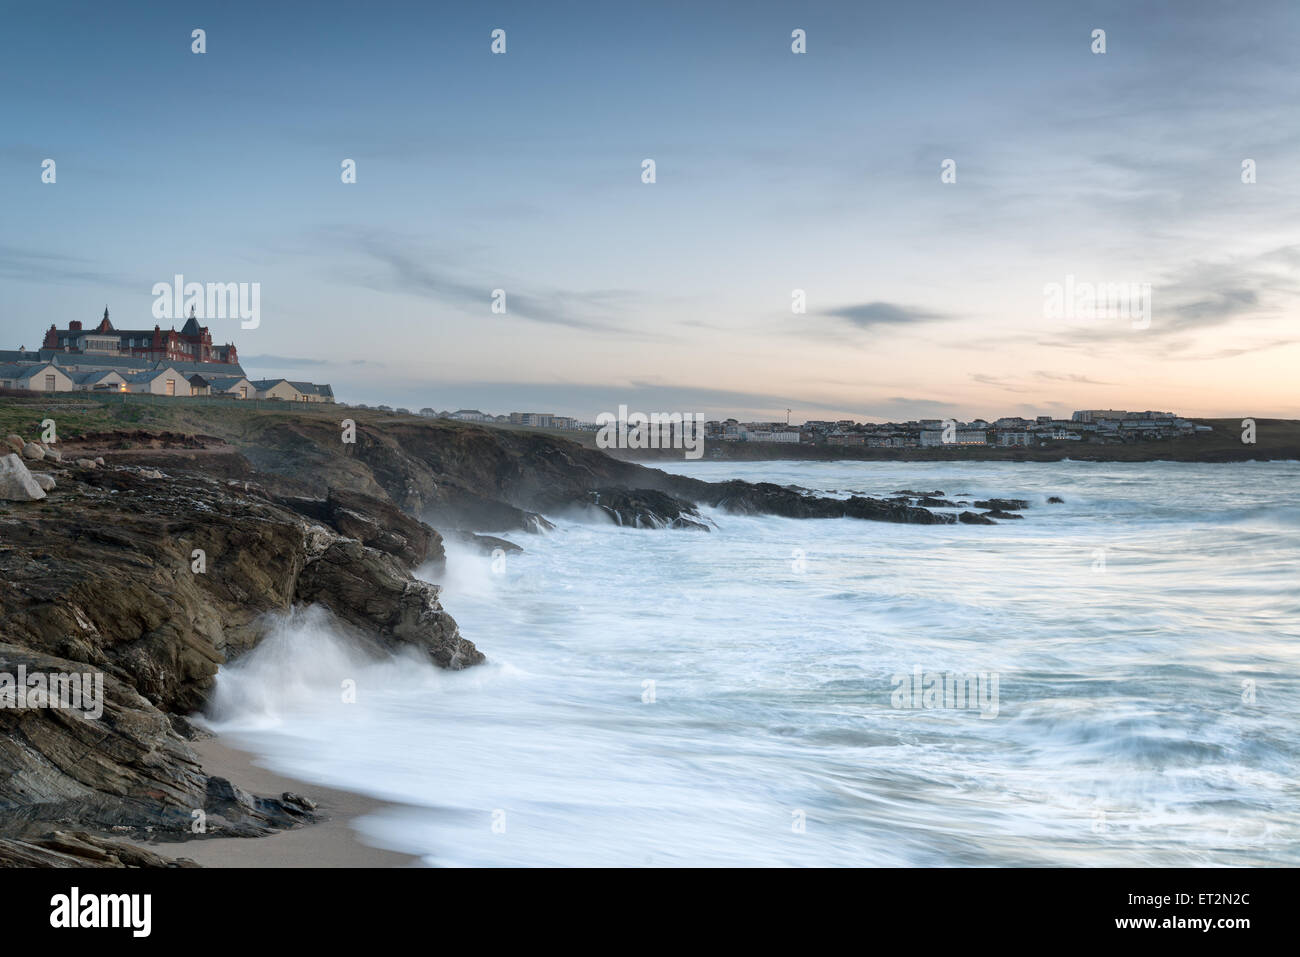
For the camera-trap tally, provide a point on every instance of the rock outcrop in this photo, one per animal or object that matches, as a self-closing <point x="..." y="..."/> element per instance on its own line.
<point x="80" y="849"/>
<point x="152" y="583"/>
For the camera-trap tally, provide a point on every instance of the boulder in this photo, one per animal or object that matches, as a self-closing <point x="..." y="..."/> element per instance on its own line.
<point x="33" y="451"/>
<point x="16" y="483"/>
<point x="53" y="455"/>
<point x="1055" y="500"/>
<point x="85" y="463"/>
<point x="15" y="442"/>
<point x="45" y="480"/>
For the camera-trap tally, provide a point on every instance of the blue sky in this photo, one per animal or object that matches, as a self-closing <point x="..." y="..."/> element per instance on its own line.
<point x="775" y="172"/>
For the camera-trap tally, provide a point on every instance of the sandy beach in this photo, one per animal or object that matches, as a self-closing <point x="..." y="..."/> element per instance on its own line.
<point x="329" y="843"/>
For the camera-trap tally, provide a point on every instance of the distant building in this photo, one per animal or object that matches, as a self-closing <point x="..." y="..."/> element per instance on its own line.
<point x="313" y="391"/>
<point x="192" y="344"/>
<point x="276" y="389"/>
<point x="537" y="420"/>
<point x="288" y="391"/>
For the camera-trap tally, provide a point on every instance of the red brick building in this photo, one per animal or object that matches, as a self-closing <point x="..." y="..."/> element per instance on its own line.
<point x="192" y="344"/>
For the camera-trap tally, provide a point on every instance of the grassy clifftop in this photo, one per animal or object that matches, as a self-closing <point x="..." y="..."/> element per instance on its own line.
<point x="246" y="424"/>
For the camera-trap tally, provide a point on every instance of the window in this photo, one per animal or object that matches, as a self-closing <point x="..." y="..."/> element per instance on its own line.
<point x="243" y="392"/>
<point x="49" y="383"/>
<point x="171" y="386"/>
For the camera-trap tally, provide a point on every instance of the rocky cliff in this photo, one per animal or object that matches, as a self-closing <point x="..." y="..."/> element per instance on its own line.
<point x="154" y="579"/>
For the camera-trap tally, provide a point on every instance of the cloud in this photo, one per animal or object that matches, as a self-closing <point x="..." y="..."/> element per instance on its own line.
<point x="868" y="315"/>
<point x="283" y="360"/>
<point x="291" y="361"/>
<point x="996" y="381"/>
<point x="1073" y="377"/>
<point x="53" y="268"/>
<point x="1199" y="297"/>
<point x="410" y="272"/>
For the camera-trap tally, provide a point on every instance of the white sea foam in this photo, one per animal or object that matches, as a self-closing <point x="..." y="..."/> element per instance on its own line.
<point x="1122" y="734"/>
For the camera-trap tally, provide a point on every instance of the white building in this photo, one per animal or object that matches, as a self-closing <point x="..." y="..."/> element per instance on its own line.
<point x="37" y="377"/>
<point x="106" y="380"/>
<point x="237" y="386"/>
<point x="165" y="381"/>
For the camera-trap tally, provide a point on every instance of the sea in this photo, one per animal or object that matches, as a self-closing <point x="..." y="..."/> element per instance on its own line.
<point x="1112" y="680"/>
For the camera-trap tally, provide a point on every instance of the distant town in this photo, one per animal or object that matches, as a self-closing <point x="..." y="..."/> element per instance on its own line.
<point x="1101" y="426"/>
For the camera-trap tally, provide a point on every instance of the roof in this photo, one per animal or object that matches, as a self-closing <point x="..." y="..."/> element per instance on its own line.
<point x="24" y="371"/>
<point x="263" y="384"/>
<point x="311" y="388"/>
<point x="207" y="368"/>
<point x="122" y="363"/>
<point x="89" y="378"/>
<point x="66" y="359"/>
<point x="18" y="356"/>
<point x="148" y="376"/>
<point x="226" y="382"/>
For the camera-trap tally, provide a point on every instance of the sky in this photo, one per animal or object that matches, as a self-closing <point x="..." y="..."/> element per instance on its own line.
<point x="774" y="172"/>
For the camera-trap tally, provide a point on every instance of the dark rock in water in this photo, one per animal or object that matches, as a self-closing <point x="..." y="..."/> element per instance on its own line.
<point x="647" y="508"/>
<point x="998" y="513"/>
<point x="485" y="543"/>
<point x="1003" y="504"/>
<point x="929" y="501"/>
<point x="764" y="498"/>
<point x="974" y="518"/>
<point x="1055" y="500"/>
<point x="908" y="492"/>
